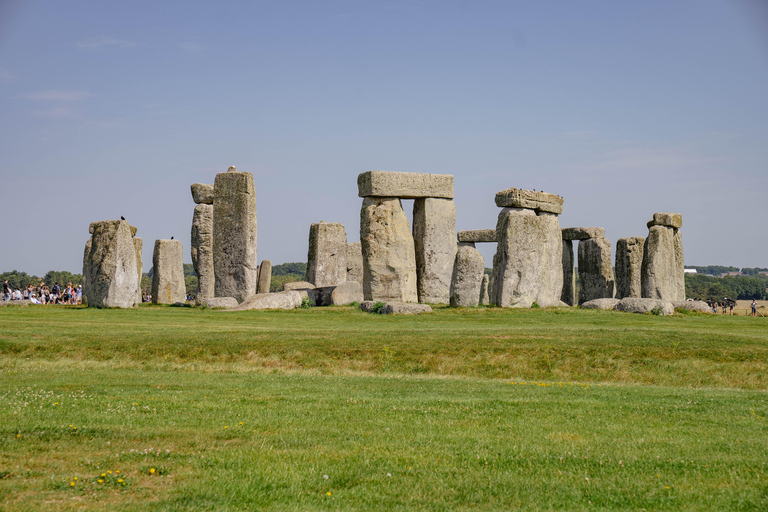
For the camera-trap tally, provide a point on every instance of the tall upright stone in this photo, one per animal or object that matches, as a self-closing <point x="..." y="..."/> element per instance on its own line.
<point x="389" y="258"/>
<point x="663" y="274"/>
<point x="234" y="235"/>
<point x="528" y="264"/>
<point x="629" y="265"/>
<point x="138" y="245"/>
<point x="327" y="254"/>
<point x="110" y="271"/>
<point x="434" y="235"/>
<point x="265" y="277"/>
<point x="355" y="262"/>
<point x="202" y="251"/>
<point x="569" y="276"/>
<point x="467" y="279"/>
<point x="484" y="295"/>
<point x="595" y="270"/>
<point x="168" y="285"/>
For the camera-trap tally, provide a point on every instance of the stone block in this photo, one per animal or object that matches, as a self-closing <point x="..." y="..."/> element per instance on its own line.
<point x="477" y="235"/>
<point x="583" y="233"/>
<point x="110" y="270"/>
<point x="692" y="305"/>
<point x="265" y="277"/>
<point x="138" y="245"/>
<point x="201" y="247"/>
<point x="467" y="281"/>
<point x="346" y="293"/>
<point x="644" y="305"/>
<point x="484" y="294"/>
<point x="168" y="285"/>
<point x="530" y="199"/>
<point x="202" y="193"/>
<point x="219" y="302"/>
<point x="327" y="254"/>
<point x="434" y="237"/>
<point x="672" y="220"/>
<point x="629" y="265"/>
<point x="605" y="304"/>
<point x="279" y="300"/>
<point x="355" y="262"/>
<point x="404" y="185"/>
<point x="298" y="285"/>
<point x="595" y="270"/>
<point x="568" y="294"/>
<point x="662" y="274"/>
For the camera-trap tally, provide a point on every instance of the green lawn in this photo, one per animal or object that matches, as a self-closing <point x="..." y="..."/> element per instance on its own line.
<point x="331" y="408"/>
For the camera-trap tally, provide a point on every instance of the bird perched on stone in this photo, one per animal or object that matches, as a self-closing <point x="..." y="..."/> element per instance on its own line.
<point x="122" y="218"/>
<point x="171" y="238"/>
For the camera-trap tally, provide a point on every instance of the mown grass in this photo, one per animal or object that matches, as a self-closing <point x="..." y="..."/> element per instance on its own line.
<point x="333" y="409"/>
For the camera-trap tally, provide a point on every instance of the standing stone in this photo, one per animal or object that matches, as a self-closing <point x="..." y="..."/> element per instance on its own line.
<point x="202" y="251"/>
<point x="569" y="276"/>
<point x="389" y="258"/>
<point x="265" y="277"/>
<point x="629" y="265"/>
<point x="234" y="235"/>
<point x="484" y="296"/>
<point x="434" y="235"/>
<point x="138" y="245"/>
<point x="110" y="276"/>
<point x="528" y="264"/>
<point x="355" y="262"/>
<point x="327" y="255"/>
<point x="168" y="273"/>
<point x="595" y="270"/>
<point x="662" y="265"/>
<point x="467" y="279"/>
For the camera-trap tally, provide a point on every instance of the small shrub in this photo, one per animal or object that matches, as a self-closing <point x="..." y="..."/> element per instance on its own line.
<point x="535" y="305"/>
<point x="306" y="303"/>
<point x="657" y="311"/>
<point x="355" y="304"/>
<point x="378" y="307"/>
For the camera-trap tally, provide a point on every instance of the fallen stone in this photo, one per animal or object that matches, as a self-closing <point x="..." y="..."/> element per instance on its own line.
<point x="168" y="273"/>
<point x="110" y="271"/>
<point x="265" y="277"/>
<point x="606" y="304"/>
<point x="672" y="220"/>
<point x="527" y="266"/>
<point x="595" y="270"/>
<point x="279" y="300"/>
<point x="568" y="295"/>
<point x="467" y="281"/>
<point x="355" y="262"/>
<point x="641" y="305"/>
<point x="298" y="285"/>
<point x="530" y="199"/>
<point x="629" y="265"/>
<point x="434" y="237"/>
<point x="389" y="258"/>
<point x="662" y="273"/>
<point x="234" y="235"/>
<point x="583" y="233"/>
<point x="692" y="305"/>
<point x="219" y="302"/>
<point x="327" y="254"/>
<point x="201" y="247"/>
<point x="484" y="294"/>
<point x="400" y="308"/>
<point x="404" y="185"/>
<point x="202" y="193"/>
<point x="347" y="293"/>
<point x="477" y="235"/>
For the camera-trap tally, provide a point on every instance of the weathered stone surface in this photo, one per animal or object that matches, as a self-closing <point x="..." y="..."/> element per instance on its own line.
<point x="201" y="247"/>
<point x="672" y="220"/>
<point x="434" y="237"/>
<point x="467" y="281"/>
<point x="234" y="235"/>
<point x="595" y="270"/>
<point x="355" y="262"/>
<point x="404" y="185"/>
<point x="138" y="245"/>
<point x="202" y="193"/>
<point x="527" y="266"/>
<point x="279" y="300"/>
<point x="641" y="305"/>
<point x="110" y="275"/>
<point x="629" y="264"/>
<point x="168" y="272"/>
<point x="265" y="277"/>
<point x="484" y="294"/>
<point x="389" y="258"/>
<point x="583" y="233"/>
<point x="219" y="302"/>
<point x="568" y="294"/>
<point x="327" y="255"/>
<point x="530" y="199"/>
<point x="477" y="235"/>
<point x="692" y="305"/>
<point x="400" y="308"/>
<point x="134" y="230"/>
<point x="600" y="304"/>
<point x="347" y="293"/>
<point x="298" y="285"/>
<point x="662" y="275"/>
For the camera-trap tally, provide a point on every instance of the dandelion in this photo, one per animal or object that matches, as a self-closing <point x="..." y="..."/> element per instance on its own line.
<point x="152" y="471"/>
<point x="71" y="484"/>
<point x="103" y="475"/>
<point x="226" y="426"/>
<point x="117" y="471"/>
<point x="100" y="480"/>
<point x="120" y="480"/>
<point x="110" y="472"/>
<point x="328" y="493"/>
<point x="73" y="478"/>
<point x="18" y="435"/>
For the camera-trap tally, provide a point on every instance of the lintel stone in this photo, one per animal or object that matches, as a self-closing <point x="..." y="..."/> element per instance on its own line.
<point x="672" y="220"/>
<point x="404" y="185"/>
<point x="583" y="233"/>
<point x="477" y="235"/>
<point x="539" y="201"/>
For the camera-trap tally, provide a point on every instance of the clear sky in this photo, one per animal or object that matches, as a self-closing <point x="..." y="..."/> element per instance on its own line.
<point x="623" y="108"/>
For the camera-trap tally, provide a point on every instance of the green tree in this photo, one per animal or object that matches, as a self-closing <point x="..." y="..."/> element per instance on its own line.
<point x="19" y="280"/>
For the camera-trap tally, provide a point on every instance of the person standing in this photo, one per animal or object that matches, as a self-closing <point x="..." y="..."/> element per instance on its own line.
<point x="6" y="291"/>
<point x="754" y="307"/>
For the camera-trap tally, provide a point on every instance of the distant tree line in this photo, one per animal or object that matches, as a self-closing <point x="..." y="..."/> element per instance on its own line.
<point x="287" y="273"/>
<point x="714" y="270"/>
<point x="698" y="286"/>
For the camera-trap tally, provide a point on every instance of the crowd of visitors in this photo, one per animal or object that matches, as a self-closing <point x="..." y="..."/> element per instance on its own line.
<point x="41" y="294"/>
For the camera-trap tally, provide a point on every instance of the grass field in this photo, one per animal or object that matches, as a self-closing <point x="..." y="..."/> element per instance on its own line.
<point x="164" y="408"/>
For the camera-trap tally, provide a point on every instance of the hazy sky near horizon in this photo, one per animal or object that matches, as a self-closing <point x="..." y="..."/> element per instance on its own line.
<point x="623" y="108"/>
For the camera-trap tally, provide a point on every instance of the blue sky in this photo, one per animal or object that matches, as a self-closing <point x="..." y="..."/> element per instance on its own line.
<point x="622" y="108"/>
